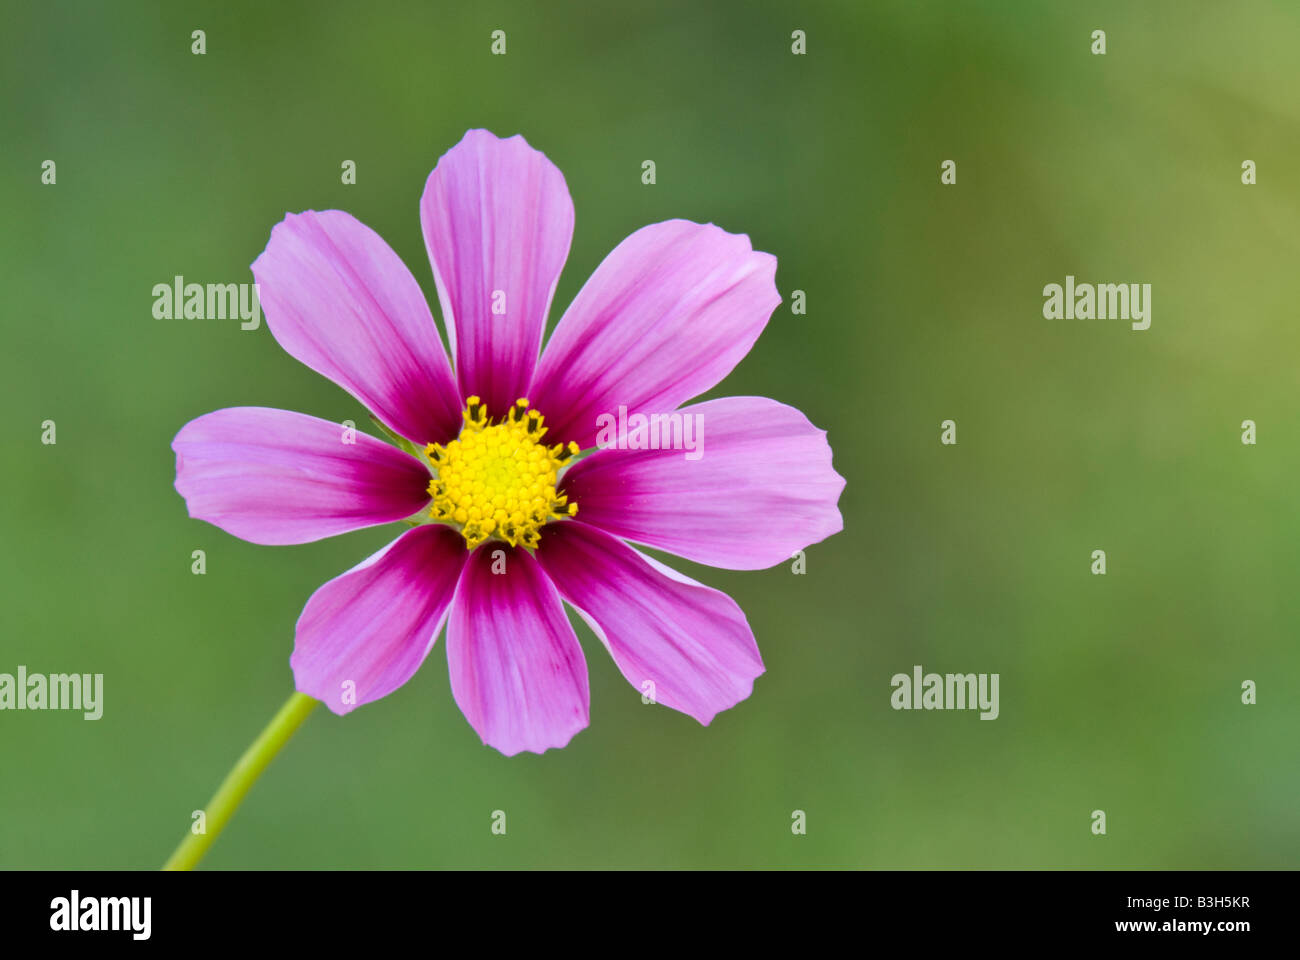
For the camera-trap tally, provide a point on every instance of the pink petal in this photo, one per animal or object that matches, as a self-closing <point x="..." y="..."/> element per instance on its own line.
<point x="272" y="476"/>
<point x="666" y="316"/>
<point x="692" y="642"/>
<point x="365" y="633"/>
<point x="762" y="488"/>
<point x="497" y="217"/>
<point x="340" y="300"/>
<point x="517" y="670"/>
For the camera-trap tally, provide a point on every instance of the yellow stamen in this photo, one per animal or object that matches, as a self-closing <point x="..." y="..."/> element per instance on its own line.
<point x="498" y="479"/>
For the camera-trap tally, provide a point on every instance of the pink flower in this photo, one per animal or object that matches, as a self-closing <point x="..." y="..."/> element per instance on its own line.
<point x="510" y="527"/>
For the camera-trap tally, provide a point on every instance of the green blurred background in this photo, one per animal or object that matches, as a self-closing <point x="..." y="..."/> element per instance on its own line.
<point x="1119" y="693"/>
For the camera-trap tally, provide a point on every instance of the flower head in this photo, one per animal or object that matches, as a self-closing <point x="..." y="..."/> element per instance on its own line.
<point x="517" y="504"/>
<point x="499" y="479"/>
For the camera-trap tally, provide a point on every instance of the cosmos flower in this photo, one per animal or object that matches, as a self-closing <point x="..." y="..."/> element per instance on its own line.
<point x="515" y="508"/>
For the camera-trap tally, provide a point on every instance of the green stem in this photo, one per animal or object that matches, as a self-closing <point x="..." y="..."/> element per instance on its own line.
<point x="241" y="777"/>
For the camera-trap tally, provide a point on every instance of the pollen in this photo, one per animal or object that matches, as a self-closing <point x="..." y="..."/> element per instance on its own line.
<point x="497" y="480"/>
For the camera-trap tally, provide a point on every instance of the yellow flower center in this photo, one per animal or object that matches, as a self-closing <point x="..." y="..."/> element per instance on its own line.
<point x="498" y="479"/>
